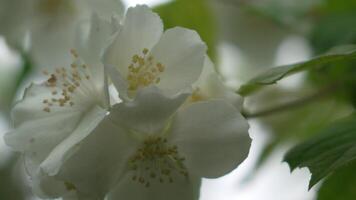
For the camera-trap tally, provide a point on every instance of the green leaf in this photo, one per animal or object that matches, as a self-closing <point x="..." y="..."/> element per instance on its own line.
<point x="272" y="75"/>
<point x="333" y="148"/>
<point x="341" y="185"/>
<point x="196" y="15"/>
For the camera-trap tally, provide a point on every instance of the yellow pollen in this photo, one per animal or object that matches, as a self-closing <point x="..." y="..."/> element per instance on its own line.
<point x="64" y="82"/>
<point x="74" y="53"/>
<point x="157" y="160"/>
<point x="143" y="71"/>
<point x="196" y="96"/>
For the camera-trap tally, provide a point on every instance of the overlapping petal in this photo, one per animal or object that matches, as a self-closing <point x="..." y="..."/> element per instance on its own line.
<point x="210" y="86"/>
<point x="140" y="29"/>
<point x="182" y="52"/>
<point x="212" y="136"/>
<point x="101" y="159"/>
<point x="149" y="112"/>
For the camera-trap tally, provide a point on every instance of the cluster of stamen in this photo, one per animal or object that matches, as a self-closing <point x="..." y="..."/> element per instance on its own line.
<point x="63" y="82"/>
<point x="143" y="71"/>
<point x="157" y="161"/>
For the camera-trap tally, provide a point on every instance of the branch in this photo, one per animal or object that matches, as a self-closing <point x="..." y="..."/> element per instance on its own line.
<point x="293" y="104"/>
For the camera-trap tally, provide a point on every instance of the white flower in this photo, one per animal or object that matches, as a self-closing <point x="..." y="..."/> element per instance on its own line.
<point x="142" y="55"/>
<point x="151" y="148"/>
<point x="51" y="24"/>
<point x="210" y="86"/>
<point x="55" y="115"/>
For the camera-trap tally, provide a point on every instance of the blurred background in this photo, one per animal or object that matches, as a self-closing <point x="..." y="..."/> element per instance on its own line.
<point x="244" y="37"/>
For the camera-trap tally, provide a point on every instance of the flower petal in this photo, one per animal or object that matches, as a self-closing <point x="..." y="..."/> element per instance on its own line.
<point x="149" y="112"/>
<point x="182" y="52"/>
<point x="37" y="132"/>
<point x="210" y="86"/>
<point x="31" y="106"/>
<point x="90" y="48"/>
<point x="48" y="187"/>
<point x="99" y="160"/>
<point x="141" y="29"/>
<point x="178" y="190"/>
<point x="212" y="136"/>
<point x="62" y="151"/>
<point x="106" y="8"/>
<point x="118" y="81"/>
<point x="38" y="137"/>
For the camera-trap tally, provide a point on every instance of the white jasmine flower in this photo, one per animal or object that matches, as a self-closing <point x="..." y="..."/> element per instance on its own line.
<point x="142" y="55"/>
<point x="210" y="86"/>
<point x="55" y="115"/>
<point x="50" y="24"/>
<point x="151" y="148"/>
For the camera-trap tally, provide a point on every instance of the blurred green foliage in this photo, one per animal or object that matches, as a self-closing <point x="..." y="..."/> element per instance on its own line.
<point x="332" y="30"/>
<point x="325" y="24"/>
<point x="300" y="122"/>
<point x="12" y="83"/>
<point x="9" y="186"/>
<point x="335" y="25"/>
<point x="196" y="15"/>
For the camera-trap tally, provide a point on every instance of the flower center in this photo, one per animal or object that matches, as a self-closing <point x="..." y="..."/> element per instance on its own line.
<point x="143" y="71"/>
<point x="156" y="160"/>
<point x="64" y="82"/>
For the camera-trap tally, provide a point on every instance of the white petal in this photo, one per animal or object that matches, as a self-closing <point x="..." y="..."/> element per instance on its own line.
<point x="31" y="106"/>
<point x="178" y="190"/>
<point x="212" y="136"/>
<point x="208" y="69"/>
<point x="141" y="29"/>
<point x="48" y="187"/>
<point x="39" y="136"/>
<point x="119" y="82"/>
<point x="182" y="52"/>
<point x="149" y="112"/>
<point x="62" y="151"/>
<point x="91" y="48"/>
<point x="99" y="161"/>
<point x="210" y="86"/>
<point x="106" y="8"/>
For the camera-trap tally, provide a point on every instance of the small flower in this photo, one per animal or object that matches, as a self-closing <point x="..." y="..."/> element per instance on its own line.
<point x="152" y="148"/>
<point x="142" y="55"/>
<point x="55" y="115"/>
<point x="210" y="86"/>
